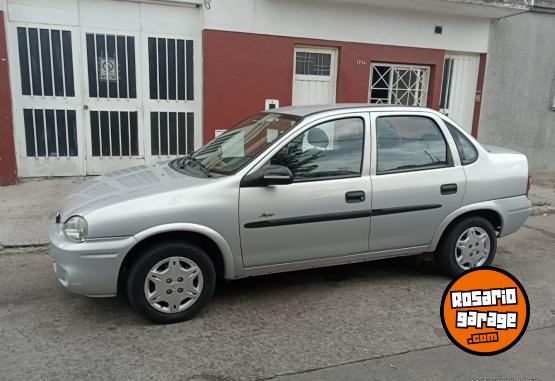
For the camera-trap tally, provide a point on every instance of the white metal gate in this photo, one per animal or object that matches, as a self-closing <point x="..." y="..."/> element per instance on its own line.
<point x="120" y="90"/>
<point x="458" y="94"/>
<point x="314" y="76"/>
<point x="169" y="107"/>
<point x="112" y="100"/>
<point x="47" y="100"/>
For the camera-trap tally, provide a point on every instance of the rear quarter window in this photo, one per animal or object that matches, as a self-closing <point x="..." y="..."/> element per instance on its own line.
<point x="467" y="150"/>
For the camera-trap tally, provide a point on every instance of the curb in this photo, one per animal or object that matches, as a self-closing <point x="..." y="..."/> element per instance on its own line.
<point x="22" y="249"/>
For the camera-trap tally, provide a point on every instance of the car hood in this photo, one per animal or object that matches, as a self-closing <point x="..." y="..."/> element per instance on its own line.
<point x="125" y="185"/>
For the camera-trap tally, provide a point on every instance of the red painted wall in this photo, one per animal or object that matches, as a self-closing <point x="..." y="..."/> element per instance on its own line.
<point x="241" y="70"/>
<point x="8" y="168"/>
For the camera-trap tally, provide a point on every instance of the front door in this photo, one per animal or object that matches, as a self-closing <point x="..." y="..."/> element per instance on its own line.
<point x="458" y="94"/>
<point x="325" y="212"/>
<point x="314" y="76"/>
<point x="415" y="181"/>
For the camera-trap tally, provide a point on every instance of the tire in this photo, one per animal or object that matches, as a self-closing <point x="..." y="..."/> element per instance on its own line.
<point x="454" y="260"/>
<point x="179" y="270"/>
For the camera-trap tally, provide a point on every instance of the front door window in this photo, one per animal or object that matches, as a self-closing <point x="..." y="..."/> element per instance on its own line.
<point x="329" y="150"/>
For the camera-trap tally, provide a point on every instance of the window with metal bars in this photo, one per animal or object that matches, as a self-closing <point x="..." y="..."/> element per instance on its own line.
<point x="46" y="62"/>
<point x="114" y="133"/>
<point x="49" y="132"/>
<point x="399" y="84"/>
<point x="170" y="69"/>
<point x="111" y="66"/>
<point x="172" y="133"/>
<point x="307" y="63"/>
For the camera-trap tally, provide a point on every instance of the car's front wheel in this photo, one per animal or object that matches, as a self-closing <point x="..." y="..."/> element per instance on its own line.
<point x="470" y="243"/>
<point x="171" y="282"/>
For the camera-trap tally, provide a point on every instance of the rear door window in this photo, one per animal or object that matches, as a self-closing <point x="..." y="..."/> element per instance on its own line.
<point x="409" y="143"/>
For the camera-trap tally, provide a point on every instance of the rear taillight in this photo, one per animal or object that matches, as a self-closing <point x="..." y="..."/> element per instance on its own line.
<point x="528" y="185"/>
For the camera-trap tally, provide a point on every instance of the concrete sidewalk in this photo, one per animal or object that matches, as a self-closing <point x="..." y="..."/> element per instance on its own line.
<point x="28" y="207"/>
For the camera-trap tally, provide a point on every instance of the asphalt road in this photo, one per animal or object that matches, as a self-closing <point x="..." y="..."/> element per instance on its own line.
<point x="280" y="325"/>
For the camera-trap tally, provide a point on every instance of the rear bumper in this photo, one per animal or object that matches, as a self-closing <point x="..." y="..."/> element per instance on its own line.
<point x="516" y="212"/>
<point x="90" y="268"/>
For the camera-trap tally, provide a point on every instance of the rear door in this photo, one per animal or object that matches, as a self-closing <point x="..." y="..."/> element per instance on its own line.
<point x="416" y="179"/>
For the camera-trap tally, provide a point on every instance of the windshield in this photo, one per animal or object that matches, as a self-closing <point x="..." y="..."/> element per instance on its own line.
<point x="233" y="149"/>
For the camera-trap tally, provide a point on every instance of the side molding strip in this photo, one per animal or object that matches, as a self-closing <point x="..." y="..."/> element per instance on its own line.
<point x="308" y="219"/>
<point x="337" y="216"/>
<point x="404" y="209"/>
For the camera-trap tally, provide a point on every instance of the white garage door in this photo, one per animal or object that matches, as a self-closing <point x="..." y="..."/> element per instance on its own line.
<point x="110" y="87"/>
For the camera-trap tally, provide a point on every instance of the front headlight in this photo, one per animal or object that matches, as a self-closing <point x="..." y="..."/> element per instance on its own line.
<point x="76" y="229"/>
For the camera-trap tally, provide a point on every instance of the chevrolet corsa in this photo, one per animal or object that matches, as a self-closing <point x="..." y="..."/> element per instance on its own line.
<point x="289" y="189"/>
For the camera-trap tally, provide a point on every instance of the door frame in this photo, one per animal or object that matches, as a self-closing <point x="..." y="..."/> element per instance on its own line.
<point x="471" y="101"/>
<point x="333" y="72"/>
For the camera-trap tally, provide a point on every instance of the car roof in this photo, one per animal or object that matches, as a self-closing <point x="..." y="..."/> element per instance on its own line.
<point x="303" y="111"/>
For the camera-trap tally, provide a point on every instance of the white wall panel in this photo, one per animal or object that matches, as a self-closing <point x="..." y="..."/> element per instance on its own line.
<point x="349" y="22"/>
<point x="63" y="12"/>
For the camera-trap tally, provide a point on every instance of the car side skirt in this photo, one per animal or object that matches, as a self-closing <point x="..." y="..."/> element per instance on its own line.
<point x="325" y="262"/>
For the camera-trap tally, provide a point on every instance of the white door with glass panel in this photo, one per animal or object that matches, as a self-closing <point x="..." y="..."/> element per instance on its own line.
<point x="314" y="76"/>
<point x="47" y="100"/>
<point x="458" y="93"/>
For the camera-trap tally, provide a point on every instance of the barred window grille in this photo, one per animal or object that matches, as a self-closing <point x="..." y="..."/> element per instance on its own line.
<point x="399" y="84"/>
<point x="111" y="66"/>
<point x="170" y="69"/>
<point x="46" y="62"/>
<point x="172" y="133"/>
<point x="50" y="133"/>
<point x="307" y="63"/>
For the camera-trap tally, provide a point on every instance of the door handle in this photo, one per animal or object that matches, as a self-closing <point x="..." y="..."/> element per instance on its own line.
<point x="449" y="189"/>
<point x="356" y="196"/>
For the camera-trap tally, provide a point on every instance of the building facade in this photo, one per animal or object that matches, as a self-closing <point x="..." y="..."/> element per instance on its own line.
<point x="89" y="86"/>
<point x="519" y="95"/>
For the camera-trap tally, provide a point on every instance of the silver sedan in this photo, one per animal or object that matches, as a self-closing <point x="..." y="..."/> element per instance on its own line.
<point x="285" y="190"/>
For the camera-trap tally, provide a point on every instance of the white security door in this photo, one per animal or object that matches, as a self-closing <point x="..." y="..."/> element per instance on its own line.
<point x="314" y="76"/>
<point x="47" y="102"/>
<point x="168" y="72"/>
<point x="112" y="101"/>
<point x="458" y="95"/>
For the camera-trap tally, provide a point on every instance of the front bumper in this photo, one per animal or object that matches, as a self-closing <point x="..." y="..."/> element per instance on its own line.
<point x="89" y="268"/>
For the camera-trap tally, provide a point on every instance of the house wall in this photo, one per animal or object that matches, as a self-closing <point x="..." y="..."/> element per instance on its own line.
<point x="8" y="169"/>
<point x="518" y="104"/>
<point x="236" y="85"/>
<point x="346" y="21"/>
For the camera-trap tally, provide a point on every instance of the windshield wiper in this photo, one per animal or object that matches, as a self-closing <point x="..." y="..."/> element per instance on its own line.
<point x="189" y="159"/>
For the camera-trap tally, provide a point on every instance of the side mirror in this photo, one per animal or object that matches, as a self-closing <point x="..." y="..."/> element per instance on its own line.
<point x="270" y="175"/>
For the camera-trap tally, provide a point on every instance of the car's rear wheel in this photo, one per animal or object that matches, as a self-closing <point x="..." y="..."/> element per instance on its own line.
<point x="470" y="243"/>
<point x="171" y="282"/>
